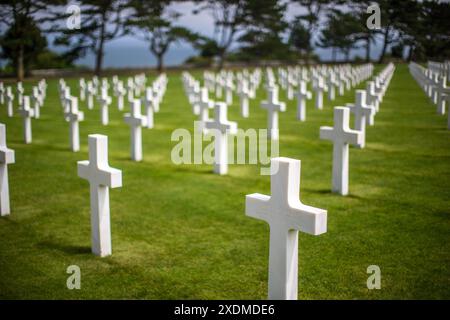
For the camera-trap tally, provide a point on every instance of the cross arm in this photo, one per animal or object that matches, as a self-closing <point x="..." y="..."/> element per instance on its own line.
<point x="326" y="133"/>
<point x="6" y="155"/>
<point x="257" y="206"/>
<point x="307" y="219"/>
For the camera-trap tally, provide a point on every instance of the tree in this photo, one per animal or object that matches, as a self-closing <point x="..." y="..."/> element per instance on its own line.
<point x="339" y="33"/>
<point x="312" y="18"/>
<point x="22" y="48"/>
<point x="103" y="21"/>
<point x="300" y="37"/>
<point x="154" y="20"/>
<point x="17" y="16"/>
<point x="229" y="19"/>
<point x="362" y="32"/>
<point x="425" y="30"/>
<point x="264" y="28"/>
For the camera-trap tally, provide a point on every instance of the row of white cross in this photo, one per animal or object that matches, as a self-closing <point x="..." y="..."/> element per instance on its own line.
<point x="441" y="68"/>
<point x="283" y="210"/>
<point x="97" y="171"/>
<point x="151" y="100"/>
<point x="29" y="106"/>
<point x="199" y="99"/>
<point x="434" y="83"/>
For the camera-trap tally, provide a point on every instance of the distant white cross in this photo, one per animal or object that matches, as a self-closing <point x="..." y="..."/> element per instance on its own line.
<point x="244" y="95"/>
<point x="130" y="89"/>
<point x="319" y="88"/>
<point x="302" y="95"/>
<point x="101" y="177"/>
<point x="74" y="116"/>
<point x="273" y="106"/>
<point x="147" y="101"/>
<point x="26" y="114"/>
<point x="90" y="94"/>
<point x="286" y="215"/>
<point x="9" y="101"/>
<point x="2" y="93"/>
<point x="229" y="87"/>
<point x="6" y="157"/>
<point x="105" y="101"/>
<point x="341" y="135"/>
<point x="441" y="91"/>
<point x="371" y="96"/>
<point x="35" y="98"/>
<point x="221" y="127"/>
<point x="20" y="92"/>
<point x="82" y="85"/>
<point x="331" y="83"/>
<point x="363" y="113"/>
<point x="120" y="93"/>
<point x="204" y="105"/>
<point x="136" y="120"/>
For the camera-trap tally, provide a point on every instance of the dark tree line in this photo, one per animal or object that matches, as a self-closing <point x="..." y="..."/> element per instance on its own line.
<point x="243" y="29"/>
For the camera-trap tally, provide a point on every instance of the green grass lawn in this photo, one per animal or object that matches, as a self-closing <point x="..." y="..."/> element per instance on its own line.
<point x="180" y="232"/>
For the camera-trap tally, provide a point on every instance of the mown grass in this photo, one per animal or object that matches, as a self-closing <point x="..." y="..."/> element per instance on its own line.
<point x="180" y="232"/>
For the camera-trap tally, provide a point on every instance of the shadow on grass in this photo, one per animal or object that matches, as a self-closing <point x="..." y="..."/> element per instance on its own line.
<point x="68" y="249"/>
<point x="330" y="193"/>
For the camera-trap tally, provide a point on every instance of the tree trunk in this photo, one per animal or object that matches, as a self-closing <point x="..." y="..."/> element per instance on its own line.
<point x="20" y="65"/>
<point x="160" y="61"/>
<point x="385" y="44"/>
<point x="221" y="60"/>
<point x="410" y="53"/>
<point x="333" y="54"/>
<point x="99" y="57"/>
<point x="368" y="49"/>
<point x="347" y="55"/>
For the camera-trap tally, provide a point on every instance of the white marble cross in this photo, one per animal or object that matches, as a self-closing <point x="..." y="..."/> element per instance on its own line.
<point x="105" y="101"/>
<point x="156" y="97"/>
<point x="130" y="89"/>
<point x="101" y="177"/>
<point x="220" y="128"/>
<point x="220" y="83"/>
<point x="302" y="95"/>
<point x="135" y="120"/>
<point x="9" y="101"/>
<point x="286" y="215"/>
<point x="204" y="105"/>
<point x="229" y="87"/>
<point x="319" y="88"/>
<point x="331" y="83"/>
<point x="341" y="135"/>
<point x="363" y="114"/>
<point x="82" y="85"/>
<point x="244" y="95"/>
<point x="26" y="114"/>
<point x="6" y="157"/>
<point x="441" y="91"/>
<point x="35" y="98"/>
<point x="2" y="93"/>
<point x="120" y="93"/>
<point x="371" y="96"/>
<point x="20" y="91"/>
<point x="74" y="116"/>
<point x="147" y="101"/>
<point x="273" y="106"/>
<point x="90" y="90"/>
